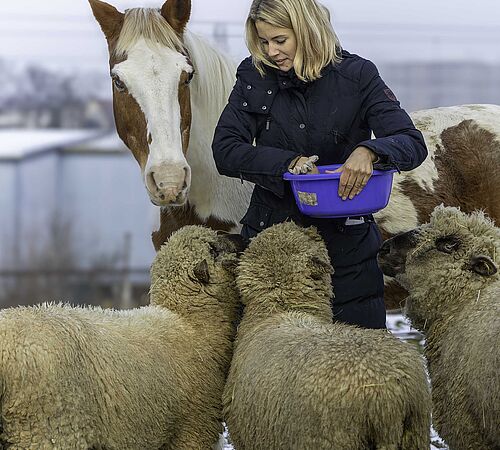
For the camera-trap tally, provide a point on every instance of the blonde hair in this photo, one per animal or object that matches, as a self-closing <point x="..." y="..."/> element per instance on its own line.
<point x="317" y="43"/>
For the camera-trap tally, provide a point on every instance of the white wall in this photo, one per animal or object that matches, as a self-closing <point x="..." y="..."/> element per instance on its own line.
<point x="7" y="212"/>
<point x="105" y="196"/>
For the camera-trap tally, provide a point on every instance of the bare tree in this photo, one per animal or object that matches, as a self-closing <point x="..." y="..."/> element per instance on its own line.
<point x="50" y="270"/>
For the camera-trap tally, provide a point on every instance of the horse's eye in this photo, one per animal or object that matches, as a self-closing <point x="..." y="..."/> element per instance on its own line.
<point x="190" y="77"/>
<point x="119" y="84"/>
<point x="448" y="244"/>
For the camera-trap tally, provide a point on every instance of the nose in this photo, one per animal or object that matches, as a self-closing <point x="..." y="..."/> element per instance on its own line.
<point x="272" y="50"/>
<point x="240" y="242"/>
<point x="168" y="183"/>
<point x="385" y="250"/>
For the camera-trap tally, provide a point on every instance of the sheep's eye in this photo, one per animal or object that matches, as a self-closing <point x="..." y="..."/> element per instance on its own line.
<point x="119" y="84"/>
<point x="448" y="244"/>
<point x="190" y="77"/>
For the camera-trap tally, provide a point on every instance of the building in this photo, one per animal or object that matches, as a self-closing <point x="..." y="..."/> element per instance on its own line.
<point x="72" y="202"/>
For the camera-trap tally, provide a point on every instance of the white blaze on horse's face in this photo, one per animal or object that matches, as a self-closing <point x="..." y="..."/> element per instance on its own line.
<point x="153" y="76"/>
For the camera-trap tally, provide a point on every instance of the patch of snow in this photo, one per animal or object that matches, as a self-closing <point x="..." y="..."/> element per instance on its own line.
<point x="18" y="143"/>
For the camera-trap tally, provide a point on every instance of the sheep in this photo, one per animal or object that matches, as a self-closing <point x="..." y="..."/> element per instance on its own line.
<point x="450" y="268"/>
<point x="299" y="381"/>
<point x="149" y="378"/>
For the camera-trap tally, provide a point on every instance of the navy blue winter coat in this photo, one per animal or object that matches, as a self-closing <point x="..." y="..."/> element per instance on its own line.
<point x="328" y="117"/>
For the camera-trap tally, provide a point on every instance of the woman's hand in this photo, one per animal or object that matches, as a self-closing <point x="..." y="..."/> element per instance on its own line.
<point x="356" y="172"/>
<point x="303" y="165"/>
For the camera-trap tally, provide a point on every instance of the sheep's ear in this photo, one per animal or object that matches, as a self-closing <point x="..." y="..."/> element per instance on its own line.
<point x="483" y="265"/>
<point x="312" y="232"/>
<point x="319" y="267"/>
<point x="201" y="272"/>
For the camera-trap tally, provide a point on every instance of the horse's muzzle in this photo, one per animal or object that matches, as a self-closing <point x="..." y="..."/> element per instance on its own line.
<point x="168" y="184"/>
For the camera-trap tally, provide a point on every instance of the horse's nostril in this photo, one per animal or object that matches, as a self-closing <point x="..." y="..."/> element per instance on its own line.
<point x="162" y="196"/>
<point x="161" y="185"/>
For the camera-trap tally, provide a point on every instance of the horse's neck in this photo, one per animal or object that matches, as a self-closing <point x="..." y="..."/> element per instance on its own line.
<point x="211" y="194"/>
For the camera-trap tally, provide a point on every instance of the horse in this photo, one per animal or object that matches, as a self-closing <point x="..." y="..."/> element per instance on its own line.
<point x="166" y="79"/>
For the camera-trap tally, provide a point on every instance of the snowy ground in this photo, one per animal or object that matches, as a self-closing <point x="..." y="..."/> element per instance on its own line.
<point x="400" y="327"/>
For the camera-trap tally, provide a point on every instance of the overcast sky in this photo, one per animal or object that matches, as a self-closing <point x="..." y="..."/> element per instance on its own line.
<point x="64" y="33"/>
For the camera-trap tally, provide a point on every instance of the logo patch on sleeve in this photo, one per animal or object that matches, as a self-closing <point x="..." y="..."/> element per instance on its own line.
<point x="390" y="95"/>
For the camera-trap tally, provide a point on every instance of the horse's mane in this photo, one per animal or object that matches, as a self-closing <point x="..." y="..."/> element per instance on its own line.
<point x="214" y="72"/>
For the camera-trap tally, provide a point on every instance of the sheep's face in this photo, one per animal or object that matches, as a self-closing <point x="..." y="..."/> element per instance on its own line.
<point x="438" y="263"/>
<point x="286" y="268"/>
<point x="195" y="258"/>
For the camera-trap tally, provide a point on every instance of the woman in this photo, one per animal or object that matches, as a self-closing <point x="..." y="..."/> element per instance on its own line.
<point x="300" y="99"/>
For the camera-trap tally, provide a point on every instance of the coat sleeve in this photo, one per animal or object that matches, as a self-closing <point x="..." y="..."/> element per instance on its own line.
<point x="234" y="152"/>
<point x="398" y="143"/>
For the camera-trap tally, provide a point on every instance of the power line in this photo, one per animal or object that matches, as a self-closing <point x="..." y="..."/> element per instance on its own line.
<point x="88" y="20"/>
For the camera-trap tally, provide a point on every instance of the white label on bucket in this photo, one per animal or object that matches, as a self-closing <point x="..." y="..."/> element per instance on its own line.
<point x="308" y="198"/>
<point x="350" y="221"/>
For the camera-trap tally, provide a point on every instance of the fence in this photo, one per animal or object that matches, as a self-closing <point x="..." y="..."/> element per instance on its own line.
<point x="107" y="287"/>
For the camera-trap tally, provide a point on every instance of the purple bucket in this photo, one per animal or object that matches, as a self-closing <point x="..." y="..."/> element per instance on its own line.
<point x="317" y="195"/>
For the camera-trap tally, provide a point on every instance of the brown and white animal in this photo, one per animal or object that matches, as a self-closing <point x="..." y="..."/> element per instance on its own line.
<point x="299" y="381"/>
<point x="462" y="169"/>
<point x="74" y="378"/>
<point x="450" y="267"/>
<point x="166" y="79"/>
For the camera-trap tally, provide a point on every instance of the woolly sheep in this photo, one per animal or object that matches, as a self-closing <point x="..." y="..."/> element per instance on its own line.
<point x="300" y="381"/>
<point x="150" y="378"/>
<point x="450" y="268"/>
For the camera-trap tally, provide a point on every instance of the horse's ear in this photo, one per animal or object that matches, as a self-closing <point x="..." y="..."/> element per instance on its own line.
<point x="109" y="18"/>
<point x="176" y="13"/>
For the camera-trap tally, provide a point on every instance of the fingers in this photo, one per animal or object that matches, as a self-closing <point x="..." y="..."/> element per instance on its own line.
<point x="340" y="169"/>
<point x="352" y="182"/>
<point x="359" y="186"/>
<point x="305" y="165"/>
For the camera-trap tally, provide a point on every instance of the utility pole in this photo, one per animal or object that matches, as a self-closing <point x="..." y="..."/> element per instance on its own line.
<point x="126" y="291"/>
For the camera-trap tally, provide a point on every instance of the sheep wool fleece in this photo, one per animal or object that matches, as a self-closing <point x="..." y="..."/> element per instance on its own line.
<point x="298" y="381"/>
<point x="452" y="274"/>
<point x="74" y="378"/>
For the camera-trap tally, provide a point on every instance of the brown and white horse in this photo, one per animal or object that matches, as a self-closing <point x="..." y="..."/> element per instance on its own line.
<point x="164" y="79"/>
<point x="153" y="59"/>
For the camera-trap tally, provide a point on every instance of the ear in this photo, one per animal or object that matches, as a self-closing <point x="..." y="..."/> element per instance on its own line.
<point x="201" y="272"/>
<point x="483" y="265"/>
<point x="176" y="13"/>
<point x="319" y="267"/>
<point x="109" y="18"/>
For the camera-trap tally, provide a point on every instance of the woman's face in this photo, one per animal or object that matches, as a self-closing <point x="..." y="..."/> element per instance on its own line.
<point x="280" y="44"/>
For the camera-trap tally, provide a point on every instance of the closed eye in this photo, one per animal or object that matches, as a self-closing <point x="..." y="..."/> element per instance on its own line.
<point x="448" y="244"/>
